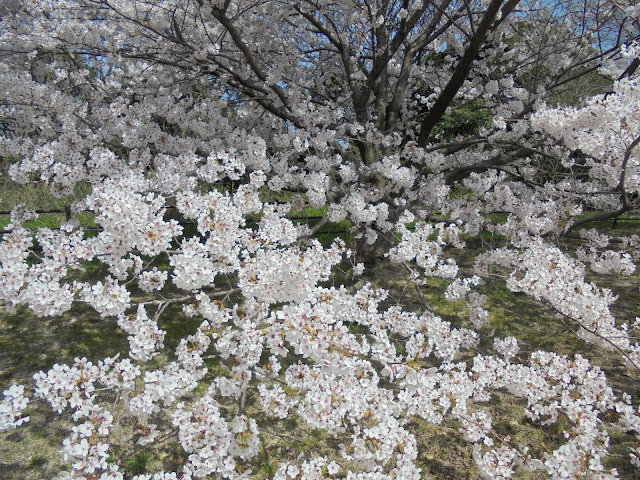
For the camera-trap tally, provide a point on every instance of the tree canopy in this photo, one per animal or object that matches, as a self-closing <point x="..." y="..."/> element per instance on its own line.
<point x="194" y="133"/>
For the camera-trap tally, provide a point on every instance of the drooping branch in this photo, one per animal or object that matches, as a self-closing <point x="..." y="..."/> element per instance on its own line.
<point x="626" y="205"/>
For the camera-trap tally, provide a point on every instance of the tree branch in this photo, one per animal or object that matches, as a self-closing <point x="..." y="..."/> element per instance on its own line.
<point x="464" y="67"/>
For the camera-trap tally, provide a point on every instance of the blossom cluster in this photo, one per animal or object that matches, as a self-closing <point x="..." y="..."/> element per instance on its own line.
<point x="547" y="273"/>
<point x="339" y="382"/>
<point x="11" y="408"/>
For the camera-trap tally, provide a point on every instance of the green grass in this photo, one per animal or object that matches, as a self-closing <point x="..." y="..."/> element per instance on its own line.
<point x="37" y="461"/>
<point x="308" y="211"/>
<point x="38" y="197"/>
<point x="138" y="464"/>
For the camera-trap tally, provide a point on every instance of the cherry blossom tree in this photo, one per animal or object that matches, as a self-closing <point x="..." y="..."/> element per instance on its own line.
<point x="197" y="127"/>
